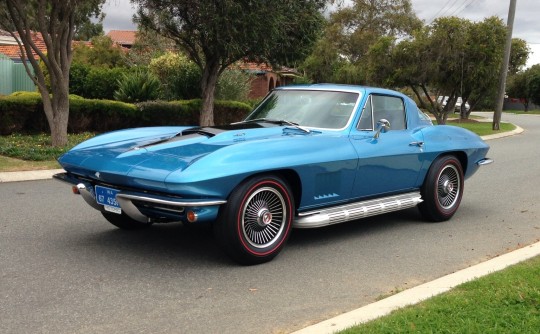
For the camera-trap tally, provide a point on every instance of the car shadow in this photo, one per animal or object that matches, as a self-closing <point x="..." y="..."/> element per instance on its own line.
<point x="192" y="246"/>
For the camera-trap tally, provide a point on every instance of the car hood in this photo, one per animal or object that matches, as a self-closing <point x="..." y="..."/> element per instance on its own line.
<point x="151" y="154"/>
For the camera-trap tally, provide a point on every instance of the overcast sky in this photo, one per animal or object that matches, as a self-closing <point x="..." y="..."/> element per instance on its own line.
<point x="526" y="24"/>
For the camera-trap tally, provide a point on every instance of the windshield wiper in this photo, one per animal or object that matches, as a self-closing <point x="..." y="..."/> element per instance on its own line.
<point x="275" y="121"/>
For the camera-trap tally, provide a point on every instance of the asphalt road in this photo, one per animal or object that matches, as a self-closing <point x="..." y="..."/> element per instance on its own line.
<point x="64" y="269"/>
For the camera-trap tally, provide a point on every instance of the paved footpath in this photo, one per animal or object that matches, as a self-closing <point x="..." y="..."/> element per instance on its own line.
<point x="387" y="305"/>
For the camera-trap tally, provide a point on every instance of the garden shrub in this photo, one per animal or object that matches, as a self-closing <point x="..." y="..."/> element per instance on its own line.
<point x="101" y="115"/>
<point x="77" y="78"/>
<point x="101" y="83"/>
<point x="23" y="113"/>
<point x="179" y="77"/>
<point x="17" y="109"/>
<point x="234" y="85"/>
<point x="137" y="86"/>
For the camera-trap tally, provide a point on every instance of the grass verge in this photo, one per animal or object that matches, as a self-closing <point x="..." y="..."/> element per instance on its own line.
<point x="483" y="128"/>
<point x="16" y="165"/>
<point x="36" y="147"/>
<point x="504" y="302"/>
<point x="521" y="112"/>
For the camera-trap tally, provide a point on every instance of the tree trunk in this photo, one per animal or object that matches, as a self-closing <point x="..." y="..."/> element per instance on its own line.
<point x="208" y="88"/>
<point x="56" y="109"/>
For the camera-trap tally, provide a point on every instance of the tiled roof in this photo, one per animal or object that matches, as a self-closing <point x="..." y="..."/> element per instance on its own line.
<point x="123" y="37"/>
<point x="262" y="67"/>
<point x="13" y="51"/>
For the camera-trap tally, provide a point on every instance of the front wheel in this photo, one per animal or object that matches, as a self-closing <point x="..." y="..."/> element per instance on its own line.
<point x="255" y="223"/>
<point x="442" y="189"/>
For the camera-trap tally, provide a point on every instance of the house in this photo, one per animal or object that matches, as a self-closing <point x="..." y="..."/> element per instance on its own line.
<point x="6" y="38"/>
<point x="125" y="38"/>
<point x="267" y="78"/>
<point x="10" y="48"/>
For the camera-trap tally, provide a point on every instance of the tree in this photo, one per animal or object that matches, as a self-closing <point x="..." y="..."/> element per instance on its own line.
<point x="451" y="57"/>
<point x="102" y="53"/>
<point x="519" y="55"/>
<point x="55" y="21"/>
<point x="216" y="34"/>
<point x="350" y="32"/>
<point x="86" y="29"/>
<point x="148" y="45"/>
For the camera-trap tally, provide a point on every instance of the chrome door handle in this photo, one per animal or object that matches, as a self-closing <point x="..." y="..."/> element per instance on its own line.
<point x="417" y="143"/>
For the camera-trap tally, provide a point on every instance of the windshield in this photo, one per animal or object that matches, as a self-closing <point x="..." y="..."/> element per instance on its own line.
<point x="310" y="108"/>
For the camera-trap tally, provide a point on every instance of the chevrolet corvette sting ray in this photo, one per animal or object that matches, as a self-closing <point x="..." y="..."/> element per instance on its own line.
<point x="306" y="156"/>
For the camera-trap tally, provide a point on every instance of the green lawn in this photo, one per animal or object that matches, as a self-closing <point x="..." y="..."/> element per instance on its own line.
<point x="36" y="147"/>
<point x="521" y="112"/>
<point x="504" y="302"/>
<point x="483" y="128"/>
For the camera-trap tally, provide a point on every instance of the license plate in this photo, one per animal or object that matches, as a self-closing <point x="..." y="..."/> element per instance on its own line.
<point x="107" y="197"/>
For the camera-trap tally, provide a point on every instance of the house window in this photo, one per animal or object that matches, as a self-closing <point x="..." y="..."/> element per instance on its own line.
<point x="271" y="84"/>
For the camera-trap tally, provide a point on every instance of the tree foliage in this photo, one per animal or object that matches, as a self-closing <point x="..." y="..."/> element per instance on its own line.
<point x="86" y="29"/>
<point x="518" y="56"/>
<point x="55" y="21"/>
<point x="179" y="76"/>
<point x="451" y="57"/>
<point x="215" y="34"/>
<point x="339" y="56"/>
<point x="525" y="85"/>
<point x="102" y="52"/>
<point x="148" y="45"/>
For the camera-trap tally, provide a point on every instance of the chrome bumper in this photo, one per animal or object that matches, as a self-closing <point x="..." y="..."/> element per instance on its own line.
<point x="125" y="199"/>
<point x="485" y="161"/>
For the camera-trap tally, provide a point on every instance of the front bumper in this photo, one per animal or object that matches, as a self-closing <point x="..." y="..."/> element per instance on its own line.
<point x="485" y="161"/>
<point x="145" y="206"/>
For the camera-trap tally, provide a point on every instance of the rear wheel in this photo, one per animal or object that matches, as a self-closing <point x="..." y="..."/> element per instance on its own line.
<point x="123" y="221"/>
<point x="442" y="190"/>
<point x="256" y="221"/>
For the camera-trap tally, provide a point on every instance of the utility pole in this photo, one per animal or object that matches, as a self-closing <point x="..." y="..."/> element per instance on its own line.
<point x="504" y="66"/>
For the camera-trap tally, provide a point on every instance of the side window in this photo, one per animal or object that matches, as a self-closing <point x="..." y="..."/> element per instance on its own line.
<point x="390" y="108"/>
<point x="366" y="119"/>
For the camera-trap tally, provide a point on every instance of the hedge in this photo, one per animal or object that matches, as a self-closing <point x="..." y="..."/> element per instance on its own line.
<point x="22" y="112"/>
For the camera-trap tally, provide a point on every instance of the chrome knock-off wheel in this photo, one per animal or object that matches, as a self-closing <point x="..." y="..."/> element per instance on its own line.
<point x="264" y="217"/>
<point x="256" y="221"/>
<point x="442" y="189"/>
<point x="449" y="187"/>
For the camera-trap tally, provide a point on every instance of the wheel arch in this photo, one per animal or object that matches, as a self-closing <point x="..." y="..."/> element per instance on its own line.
<point x="460" y="155"/>
<point x="290" y="176"/>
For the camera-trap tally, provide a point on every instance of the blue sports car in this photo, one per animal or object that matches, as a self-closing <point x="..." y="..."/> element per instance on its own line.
<point x="307" y="156"/>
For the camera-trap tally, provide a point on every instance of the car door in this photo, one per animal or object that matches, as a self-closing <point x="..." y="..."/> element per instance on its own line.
<point x="390" y="162"/>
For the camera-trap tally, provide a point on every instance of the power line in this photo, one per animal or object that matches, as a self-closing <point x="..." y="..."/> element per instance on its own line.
<point x="441" y="10"/>
<point x="466" y="6"/>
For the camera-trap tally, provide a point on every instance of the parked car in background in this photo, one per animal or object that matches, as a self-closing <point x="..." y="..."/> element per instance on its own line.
<point x="306" y="157"/>
<point x="457" y="108"/>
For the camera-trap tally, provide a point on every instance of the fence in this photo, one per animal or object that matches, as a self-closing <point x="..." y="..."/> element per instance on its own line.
<point x="13" y="77"/>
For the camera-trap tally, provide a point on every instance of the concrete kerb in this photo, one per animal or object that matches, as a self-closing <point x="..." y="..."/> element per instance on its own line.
<point x="421" y="292"/>
<point x="28" y="175"/>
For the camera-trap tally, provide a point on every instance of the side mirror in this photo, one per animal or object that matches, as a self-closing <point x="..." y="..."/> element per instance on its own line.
<point x="383" y="126"/>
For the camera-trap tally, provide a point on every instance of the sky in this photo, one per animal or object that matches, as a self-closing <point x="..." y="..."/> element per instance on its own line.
<point x="526" y="23"/>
